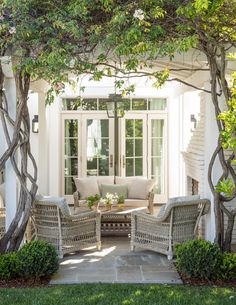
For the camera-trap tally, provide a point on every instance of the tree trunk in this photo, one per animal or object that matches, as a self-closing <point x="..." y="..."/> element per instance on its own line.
<point x="13" y="237"/>
<point x="228" y="234"/>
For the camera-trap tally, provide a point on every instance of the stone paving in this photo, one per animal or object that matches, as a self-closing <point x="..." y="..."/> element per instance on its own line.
<point x="115" y="263"/>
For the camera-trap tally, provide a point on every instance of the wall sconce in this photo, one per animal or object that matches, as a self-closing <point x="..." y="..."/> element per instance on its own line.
<point x="193" y="120"/>
<point x="35" y="124"/>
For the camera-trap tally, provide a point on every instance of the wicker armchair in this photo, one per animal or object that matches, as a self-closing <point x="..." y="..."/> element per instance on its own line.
<point x="54" y="223"/>
<point x="2" y="222"/>
<point x="175" y="224"/>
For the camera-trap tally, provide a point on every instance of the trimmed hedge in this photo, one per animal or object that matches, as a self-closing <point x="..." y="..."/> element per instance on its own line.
<point x="228" y="267"/>
<point x="35" y="259"/>
<point x="9" y="266"/>
<point x="38" y="259"/>
<point x="199" y="259"/>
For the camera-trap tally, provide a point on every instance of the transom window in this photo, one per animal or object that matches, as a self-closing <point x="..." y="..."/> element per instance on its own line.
<point x="99" y="104"/>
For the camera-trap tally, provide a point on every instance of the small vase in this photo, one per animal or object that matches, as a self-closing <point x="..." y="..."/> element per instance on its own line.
<point x="121" y="206"/>
<point x="108" y="207"/>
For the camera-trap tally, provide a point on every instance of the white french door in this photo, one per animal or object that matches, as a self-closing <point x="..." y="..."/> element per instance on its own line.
<point x="143" y="146"/>
<point x="157" y="154"/>
<point x="88" y="148"/>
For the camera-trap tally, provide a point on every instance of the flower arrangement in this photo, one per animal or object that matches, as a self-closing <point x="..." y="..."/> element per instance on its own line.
<point x="109" y="199"/>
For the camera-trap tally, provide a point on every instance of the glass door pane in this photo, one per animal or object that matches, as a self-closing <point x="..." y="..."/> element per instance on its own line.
<point x="71" y="130"/>
<point x="133" y="146"/>
<point x="97" y="147"/>
<point x="157" y="154"/>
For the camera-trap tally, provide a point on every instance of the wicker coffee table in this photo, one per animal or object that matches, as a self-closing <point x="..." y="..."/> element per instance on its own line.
<point x="117" y="222"/>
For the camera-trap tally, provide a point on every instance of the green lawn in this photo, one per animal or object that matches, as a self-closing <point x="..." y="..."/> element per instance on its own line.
<point x="115" y="294"/>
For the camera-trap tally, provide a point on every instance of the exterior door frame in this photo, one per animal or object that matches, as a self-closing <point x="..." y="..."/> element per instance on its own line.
<point x="132" y="115"/>
<point x="70" y="116"/>
<point x="162" y="198"/>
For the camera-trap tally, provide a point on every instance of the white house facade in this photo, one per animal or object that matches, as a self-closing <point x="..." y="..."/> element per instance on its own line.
<point x="168" y="134"/>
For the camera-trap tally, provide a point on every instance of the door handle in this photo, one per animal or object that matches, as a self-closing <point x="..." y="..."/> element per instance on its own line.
<point x="111" y="160"/>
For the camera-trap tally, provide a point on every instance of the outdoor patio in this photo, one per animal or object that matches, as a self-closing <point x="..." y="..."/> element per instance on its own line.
<point x="115" y="263"/>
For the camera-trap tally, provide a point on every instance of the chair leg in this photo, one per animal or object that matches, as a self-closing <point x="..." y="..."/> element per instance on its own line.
<point x="132" y="248"/>
<point x="170" y="255"/>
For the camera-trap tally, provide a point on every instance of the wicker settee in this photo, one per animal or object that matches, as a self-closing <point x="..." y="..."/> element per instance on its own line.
<point x="139" y="190"/>
<point x="54" y="223"/>
<point x="175" y="224"/>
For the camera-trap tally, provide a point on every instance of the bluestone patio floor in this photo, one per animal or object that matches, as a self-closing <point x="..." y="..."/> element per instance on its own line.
<point x="115" y="263"/>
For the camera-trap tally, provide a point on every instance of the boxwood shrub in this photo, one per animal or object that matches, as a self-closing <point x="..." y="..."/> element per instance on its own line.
<point x="9" y="266"/>
<point x="38" y="259"/>
<point x="228" y="267"/>
<point x="199" y="259"/>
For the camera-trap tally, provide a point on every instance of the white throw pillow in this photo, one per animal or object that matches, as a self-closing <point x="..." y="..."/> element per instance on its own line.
<point x="140" y="188"/>
<point x="87" y="186"/>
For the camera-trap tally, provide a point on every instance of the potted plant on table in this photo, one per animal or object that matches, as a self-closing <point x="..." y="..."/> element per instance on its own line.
<point x="93" y="202"/>
<point x="121" y="201"/>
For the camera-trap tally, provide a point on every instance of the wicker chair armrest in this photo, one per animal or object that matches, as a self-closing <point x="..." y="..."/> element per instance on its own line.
<point x="150" y="202"/>
<point x="81" y="216"/>
<point x="76" y="197"/>
<point x="145" y="216"/>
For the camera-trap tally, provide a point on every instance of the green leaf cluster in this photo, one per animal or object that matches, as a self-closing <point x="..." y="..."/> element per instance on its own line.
<point x="226" y="186"/>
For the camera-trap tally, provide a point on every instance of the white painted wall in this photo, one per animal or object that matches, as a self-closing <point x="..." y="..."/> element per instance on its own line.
<point x="34" y="137"/>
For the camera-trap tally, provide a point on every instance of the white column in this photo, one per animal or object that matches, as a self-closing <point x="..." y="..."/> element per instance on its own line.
<point x="211" y="136"/>
<point x="11" y="197"/>
<point x="43" y="172"/>
<point x="55" y="151"/>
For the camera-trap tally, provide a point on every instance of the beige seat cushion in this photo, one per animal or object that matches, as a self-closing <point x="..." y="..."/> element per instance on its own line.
<point x="57" y="201"/>
<point x="135" y="203"/>
<point x="87" y="187"/>
<point x="182" y="199"/>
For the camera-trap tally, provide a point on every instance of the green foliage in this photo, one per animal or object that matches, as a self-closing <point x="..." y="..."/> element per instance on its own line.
<point x="199" y="259"/>
<point x="226" y="186"/>
<point x="228" y="117"/>
<point x="121" y="199"/>
<point x="228" y="267"/>
<point x="92" y="200"/>
<point x="9" y="266"/>
<point x="38" y="259"/>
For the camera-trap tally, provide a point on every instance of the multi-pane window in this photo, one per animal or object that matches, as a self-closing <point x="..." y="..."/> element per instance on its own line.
<point x="98" y="147"/>
<point x="99" y="104"/>
<point x="134" y="147"/>
<point x="157" y="156"/>
<point x="70" y="154"/>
